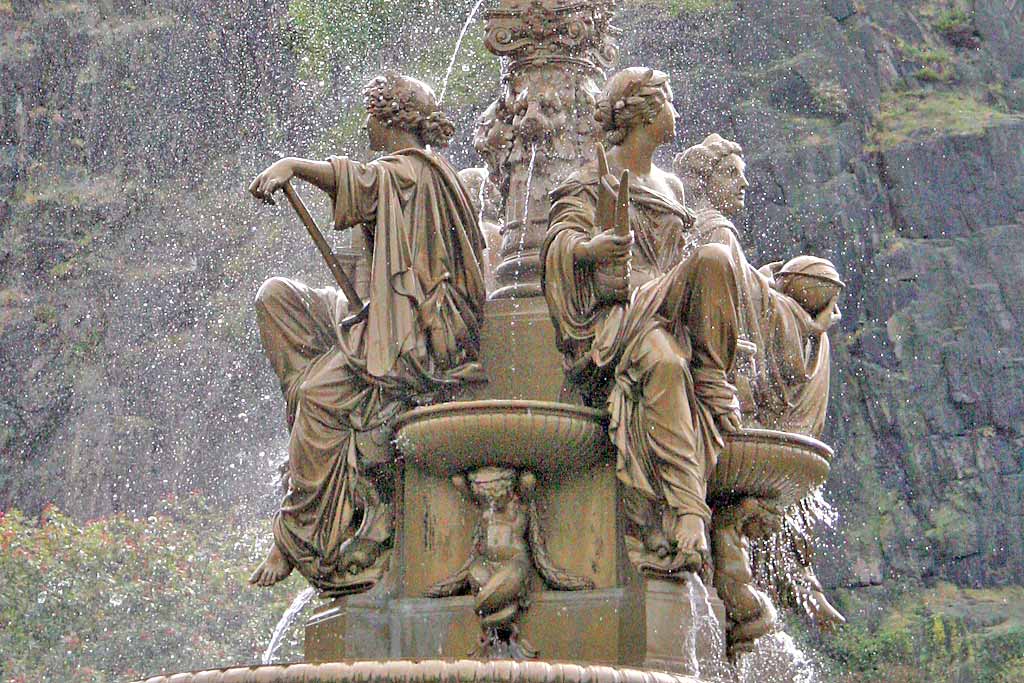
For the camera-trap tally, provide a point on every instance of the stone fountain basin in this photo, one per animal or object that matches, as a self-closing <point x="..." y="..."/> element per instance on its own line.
<point x="560" y="438"/>
<point x="780" y="467"/>
<point x="540" y="436"/>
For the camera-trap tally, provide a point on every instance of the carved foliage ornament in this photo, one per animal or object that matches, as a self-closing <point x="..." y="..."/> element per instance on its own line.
<point x="532" y="31"/>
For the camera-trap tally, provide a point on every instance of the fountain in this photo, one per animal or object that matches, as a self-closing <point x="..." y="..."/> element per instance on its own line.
<point x="492" y="524"/>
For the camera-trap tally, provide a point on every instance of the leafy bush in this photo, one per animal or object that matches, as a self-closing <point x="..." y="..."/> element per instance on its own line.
<point x="119" y="598"/>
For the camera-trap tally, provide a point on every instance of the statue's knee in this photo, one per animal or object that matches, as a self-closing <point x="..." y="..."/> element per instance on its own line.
<point x="274" y="289"/>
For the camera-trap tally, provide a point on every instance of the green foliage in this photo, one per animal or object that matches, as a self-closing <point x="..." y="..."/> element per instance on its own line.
<point x="341" y="32"/>
<point x="935" y="636"/>
<point x="936" y="64"/>
<point x="677" y="7"/>
<point x="830" y="99"/>
<point x="45" y="316"/>
<point x="953" y="20"/>
<point x="932" y="75"/>
<point x="919" y="115"/>
<point x="349" y="41"/>
<point x="120" y="598"/>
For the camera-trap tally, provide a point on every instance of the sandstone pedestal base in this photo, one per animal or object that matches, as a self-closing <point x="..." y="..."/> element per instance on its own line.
<point x="647" y="625"/>
<point x="624" y="620"/>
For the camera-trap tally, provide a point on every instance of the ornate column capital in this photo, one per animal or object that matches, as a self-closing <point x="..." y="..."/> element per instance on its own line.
<point x="539" y="32"/>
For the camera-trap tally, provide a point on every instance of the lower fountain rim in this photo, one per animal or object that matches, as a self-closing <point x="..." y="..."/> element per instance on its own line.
<point x="510" y="406"/>
<point x="426" y="671"/>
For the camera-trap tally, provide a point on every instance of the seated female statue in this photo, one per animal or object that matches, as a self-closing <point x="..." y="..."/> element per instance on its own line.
<point x="646" y="321"/>
<point x="343" y="379"/>
<point x="784" y="385"/>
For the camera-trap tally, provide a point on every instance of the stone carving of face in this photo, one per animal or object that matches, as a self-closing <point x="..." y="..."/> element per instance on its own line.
<point x="663" y="127"/>
<point x="377" y="132"/>
<point x="727" y="185"/>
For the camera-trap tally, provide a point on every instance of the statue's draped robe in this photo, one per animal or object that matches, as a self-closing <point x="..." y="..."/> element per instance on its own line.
<point x="419" y="342"/>
<point x="659" y="362"/>
<point x="788" y="384"/>
<point x="788" y="376"/>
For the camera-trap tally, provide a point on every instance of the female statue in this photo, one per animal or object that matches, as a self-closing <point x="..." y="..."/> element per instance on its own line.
<point x="786" y="382"/>
<point x="646" y="321"/>
<point x="342" y="379"/>
<point x="785" y="386"/>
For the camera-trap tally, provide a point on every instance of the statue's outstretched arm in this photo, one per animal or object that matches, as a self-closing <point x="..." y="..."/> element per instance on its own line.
<point x="273" y="178"/>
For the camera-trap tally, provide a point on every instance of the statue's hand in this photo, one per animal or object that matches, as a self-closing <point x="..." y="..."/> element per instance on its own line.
<point x="271" y="180"/>
<point x="609" y="252"/>
<point x="729" y="422"/>
<point x="606" y="247"/>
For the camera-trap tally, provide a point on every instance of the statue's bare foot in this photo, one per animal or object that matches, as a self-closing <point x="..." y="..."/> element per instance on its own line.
<point x="825" y="616"/>
<point x="691" y="543"/>
<point x="273" y="569"/>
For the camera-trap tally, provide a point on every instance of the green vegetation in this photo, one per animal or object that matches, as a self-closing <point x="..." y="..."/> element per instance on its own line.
<point x="343" y="33"/>
<point x="340" y="43"/>
<point x="911" y="115"/>
<point x="941" y="635"/>
<point x="953" y="20"/>
<point x="830" y="99"/>
<point x="936" y="64"/>
<point x="120" y="598"/>
<point x="957" y="26"/>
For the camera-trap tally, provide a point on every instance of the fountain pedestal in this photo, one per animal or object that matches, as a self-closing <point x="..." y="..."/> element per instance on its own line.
<point x="623" y="619"/>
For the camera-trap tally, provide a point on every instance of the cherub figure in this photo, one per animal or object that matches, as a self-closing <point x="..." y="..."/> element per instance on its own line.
<point x="507" y="541"/>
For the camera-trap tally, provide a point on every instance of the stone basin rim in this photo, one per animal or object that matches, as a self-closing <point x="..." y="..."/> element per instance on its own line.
<point x="525" y="406"/>
<point x="513" y="406"/>
<point x="542" y="436"/>
<point x="425" y="671"/>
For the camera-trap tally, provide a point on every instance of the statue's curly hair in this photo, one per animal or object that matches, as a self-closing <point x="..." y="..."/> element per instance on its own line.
<point x="697" y="163"/>
<point x="409" y="104"/>
<point x="631" y="98"/>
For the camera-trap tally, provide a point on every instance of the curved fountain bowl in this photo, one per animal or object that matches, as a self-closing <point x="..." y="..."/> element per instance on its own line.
<point x="548" y="438"/>
<point x="540" y="436"/>
<point x="778" y="466"/>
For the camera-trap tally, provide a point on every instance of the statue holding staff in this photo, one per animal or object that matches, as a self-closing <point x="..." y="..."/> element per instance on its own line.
<point x="417" y="342"/>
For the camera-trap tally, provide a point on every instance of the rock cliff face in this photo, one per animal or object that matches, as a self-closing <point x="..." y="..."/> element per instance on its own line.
<point x="127" y="256"/>
<point x="887" y="136"/>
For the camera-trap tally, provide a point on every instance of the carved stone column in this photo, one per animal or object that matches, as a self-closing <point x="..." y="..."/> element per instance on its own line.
<point x="552" y="52"/>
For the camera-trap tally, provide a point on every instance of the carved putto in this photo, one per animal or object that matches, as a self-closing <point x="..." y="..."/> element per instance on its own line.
<point x="507" y="543"/>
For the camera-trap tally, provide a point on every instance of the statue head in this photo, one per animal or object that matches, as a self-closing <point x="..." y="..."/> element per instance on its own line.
<point x="714" y="172"/>
<point x="636" y="98"/>
<point x="397" y="102"/>
<point x="494" y="485"/>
